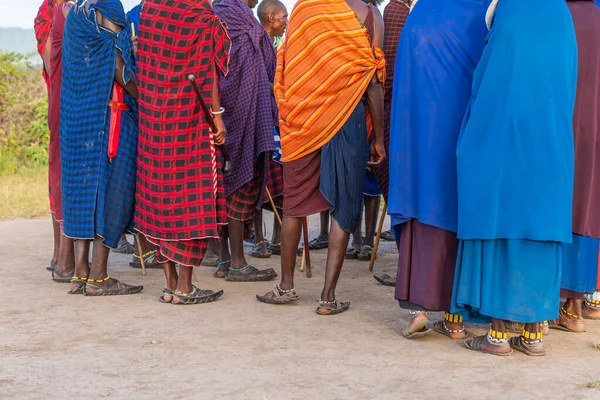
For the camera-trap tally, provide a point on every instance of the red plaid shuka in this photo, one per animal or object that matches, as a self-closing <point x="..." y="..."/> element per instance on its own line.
<point x="275" y="185"/>
<point x="394" y="16"/>
<point x="180" y="199"/>
<point x="242" y="204"/>
<point x="41" y="25"/>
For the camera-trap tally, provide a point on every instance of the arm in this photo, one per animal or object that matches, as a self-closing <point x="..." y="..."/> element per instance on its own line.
<point x="131" y="87"/>
<point x="375" y="95"/>
<point x="216" y="106"/>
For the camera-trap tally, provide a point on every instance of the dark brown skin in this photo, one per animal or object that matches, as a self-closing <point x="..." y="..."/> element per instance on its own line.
<point x="131" y="87"/>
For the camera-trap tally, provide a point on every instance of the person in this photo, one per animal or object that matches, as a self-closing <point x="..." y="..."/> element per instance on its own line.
<point x="324" y="128"/>
<point x="250" y="115"/>
<point x="362" y="247"/>
<point x="49" y="25"/>
<point x="580" y="258"/>
<point x="515" y="175"/>
<point x="61" y="264"/>
<point x="394" y="17"/>
<point x="273" y="17"/>
<point x="180" y="203"/>
<point x="98" y="140"/>
<point x="426" y="117"/>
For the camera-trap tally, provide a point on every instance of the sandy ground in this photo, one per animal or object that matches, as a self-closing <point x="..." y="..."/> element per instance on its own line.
<point x="53" y="345"/>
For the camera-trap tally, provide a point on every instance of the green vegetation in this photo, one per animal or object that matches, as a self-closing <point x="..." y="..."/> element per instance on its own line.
<point x="23" y="138"/>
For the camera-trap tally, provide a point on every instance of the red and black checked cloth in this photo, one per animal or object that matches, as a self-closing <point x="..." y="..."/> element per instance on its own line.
<point x="185" y="252"/>
<point x="275" y="185"/>
<point x="179" y="189"/>
<point x="394" y="16"/>
<point x="242" y="204"/>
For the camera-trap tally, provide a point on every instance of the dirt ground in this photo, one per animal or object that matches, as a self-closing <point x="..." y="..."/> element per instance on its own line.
<point x="53" y="345"/>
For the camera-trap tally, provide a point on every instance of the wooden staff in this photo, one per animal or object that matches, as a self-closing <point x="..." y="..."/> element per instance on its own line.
<point x="139" y="247"/>
<point x="306" y="247"/>
<point x="378" y="237"/>
<point x="273" y="205"/>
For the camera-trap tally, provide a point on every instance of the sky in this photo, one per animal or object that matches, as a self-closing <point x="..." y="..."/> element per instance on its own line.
<point x="20" y="13"/>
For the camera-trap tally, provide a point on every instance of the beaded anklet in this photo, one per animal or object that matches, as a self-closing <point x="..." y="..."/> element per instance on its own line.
<point x="99" y="280"/>
<point x="144" y="255"/>
<point x="569" y="314"/>
<point x="453" y="318"/>
<point x="497" y="338"/>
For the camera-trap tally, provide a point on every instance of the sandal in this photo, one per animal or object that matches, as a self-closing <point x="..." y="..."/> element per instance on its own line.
<point x="77" y="285"/>
<point x="150" y="261"/>
<point x="57" y="277"/>
<point x="332" y="307"/>
<point x="591" y="309"/>
<point x="519" y="344"/>
<point x="124" y="247"/>
<point x="279" y="296"/>
<point x="261" y="249"/>
<point x="568" y="322"/>
<point x="421" y="332"/>
<point x="222" y="271"/>
<point x="275" y="248"/>
<point x="365" y="253"/>
<point x="250" y="274"/>
<point x="211" y="261"/>
<point x="52" y="266"/>
<point x="476" y="344"/>
<point x="388" y="236"/>
<point x="197" y="296"/>
<point x="385" y="279"/>
<point x="167" y="296"/>
<point x="112" y="287"/>
<point x="318" y="243"/>
<point x="352" y="253"/>
<point x="441" y="328"/>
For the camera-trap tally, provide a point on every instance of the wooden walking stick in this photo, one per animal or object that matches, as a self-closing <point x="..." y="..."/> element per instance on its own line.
<point x="378" y="237"/>
<point x="139" y="247"/>
<point x="306" y="247"/>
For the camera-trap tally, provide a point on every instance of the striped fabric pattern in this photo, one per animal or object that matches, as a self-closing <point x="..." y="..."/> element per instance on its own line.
<point x="98" y="195"/>
<point x="324" y="67"/>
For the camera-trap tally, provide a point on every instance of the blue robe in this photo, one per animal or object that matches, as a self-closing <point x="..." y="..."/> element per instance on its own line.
<point x="440" y="46"/>
<point x="515" y="165"/>
<point x="98" y="195"/>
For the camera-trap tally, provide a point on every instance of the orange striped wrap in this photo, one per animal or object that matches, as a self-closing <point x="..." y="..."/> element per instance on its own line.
<point x="323" y="69"/>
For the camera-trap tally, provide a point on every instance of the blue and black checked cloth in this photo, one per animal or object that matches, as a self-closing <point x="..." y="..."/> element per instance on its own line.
<point x="98" y="196"/>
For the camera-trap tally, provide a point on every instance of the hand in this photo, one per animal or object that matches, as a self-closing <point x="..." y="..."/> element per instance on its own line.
<point x="221" y="132"/>
<point x="377" y="155"/>
<point x="134" y="39"/>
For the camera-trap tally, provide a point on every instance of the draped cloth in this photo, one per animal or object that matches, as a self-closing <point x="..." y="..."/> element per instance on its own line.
<point x="324" y="39"/>
<point x="440" y="46"/>
<point x="180" y="200"/>
<point x="56" y="65"/>
<point x="98" y="195"/>
<point x="41" y="27"/>
<point x="246" y="93"/>
<point x="580" y="258"/>
<point x="394" y="17"/>
<point x="515" y="166"/>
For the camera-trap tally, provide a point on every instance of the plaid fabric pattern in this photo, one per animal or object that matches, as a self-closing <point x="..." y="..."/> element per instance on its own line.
<point x="343" y="164"/>
<point x="180" y="200"/>
<point x="242" y="203"/>
<point x="394" y="16"/>
<point x="246" y="93"/>
<point x="42" y="24"/>
<point x="185" y="252"/>
<point x="98" y="195"/>
<point x="274" y="184"/>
